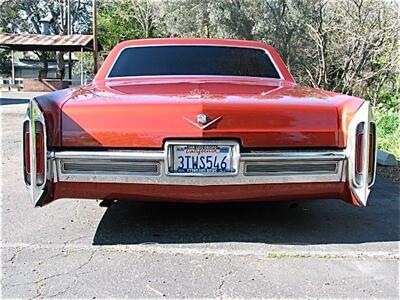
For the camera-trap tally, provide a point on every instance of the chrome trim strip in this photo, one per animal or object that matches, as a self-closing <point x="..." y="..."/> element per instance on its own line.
<point x="104" y="166"/>
<point x="273" y="168"/>
<point x="294" y="155"/>
<point x="162" y="157"/>
<point x="131" y="155"/>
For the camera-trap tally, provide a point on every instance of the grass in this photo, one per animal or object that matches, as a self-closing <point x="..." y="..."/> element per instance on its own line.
<point x="280" y="255"/>
<point x="388" y="127"/>
<point x="40" y="283"/>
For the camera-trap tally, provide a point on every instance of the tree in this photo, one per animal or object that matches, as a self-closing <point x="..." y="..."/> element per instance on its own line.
<point x="124" y="20"/>
<point x="349" y="46"/>
<point x="144" y="11"/>
<point x="186" y="18"/>
<point x="24" y="17"/>
<point x="232" y="18"/>
<point x="5" y="62"/>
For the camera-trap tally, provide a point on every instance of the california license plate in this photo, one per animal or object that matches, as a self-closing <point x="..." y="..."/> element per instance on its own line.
<point x="202" y="159"/>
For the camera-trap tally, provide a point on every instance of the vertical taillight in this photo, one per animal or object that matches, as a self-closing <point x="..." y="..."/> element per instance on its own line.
<point x="39" y="152"/>
<point x="40" y="155"/>
<point x="359" y="152"/>
<point x="359" y="158"/>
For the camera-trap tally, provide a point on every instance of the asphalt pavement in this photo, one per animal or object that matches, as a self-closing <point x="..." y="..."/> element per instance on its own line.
<point x="77" y="249"/>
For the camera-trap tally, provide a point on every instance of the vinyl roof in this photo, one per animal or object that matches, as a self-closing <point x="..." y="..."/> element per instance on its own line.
<point x="31" y="42"/>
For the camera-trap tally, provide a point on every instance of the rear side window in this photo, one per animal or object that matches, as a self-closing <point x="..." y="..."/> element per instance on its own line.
<point x="193" y="60"/>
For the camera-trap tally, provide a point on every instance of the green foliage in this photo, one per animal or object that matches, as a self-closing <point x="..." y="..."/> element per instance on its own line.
<point x="389" y="100"/>
<point x="185" y="18"/>
<point x="116" y="24"/>
<point x="87" y="65"/>
<point x="387" y="118"/>
<point x="19" y="16"/>
<point x="388" y="126"/>
<point x="124" y="20"/>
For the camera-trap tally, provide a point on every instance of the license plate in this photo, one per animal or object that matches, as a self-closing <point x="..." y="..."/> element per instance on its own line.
<point x="202" y="159"/>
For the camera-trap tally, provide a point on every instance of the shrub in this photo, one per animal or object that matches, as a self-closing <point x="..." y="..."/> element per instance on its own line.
<point x="388" y="126"/>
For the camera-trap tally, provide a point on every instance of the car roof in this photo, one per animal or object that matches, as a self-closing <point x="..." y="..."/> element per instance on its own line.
<point x="193" y="41"/>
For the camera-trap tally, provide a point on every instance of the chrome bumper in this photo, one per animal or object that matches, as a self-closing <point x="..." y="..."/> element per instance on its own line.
<point x="150" y="167"/>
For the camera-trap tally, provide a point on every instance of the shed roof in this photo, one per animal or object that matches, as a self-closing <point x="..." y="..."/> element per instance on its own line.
<point x="31" y="42"/>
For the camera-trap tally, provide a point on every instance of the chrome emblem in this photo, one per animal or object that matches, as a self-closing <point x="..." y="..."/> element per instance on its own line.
<point x="198" y="94"/>
<point x="201" y="119"/>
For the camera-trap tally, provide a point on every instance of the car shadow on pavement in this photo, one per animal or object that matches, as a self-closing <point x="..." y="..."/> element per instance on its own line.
<point x="303" y="222"/>
<point x="12" y="101"/>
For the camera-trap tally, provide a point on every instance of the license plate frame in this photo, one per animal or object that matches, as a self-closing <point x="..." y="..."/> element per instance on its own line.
<point x="170" y="159"/>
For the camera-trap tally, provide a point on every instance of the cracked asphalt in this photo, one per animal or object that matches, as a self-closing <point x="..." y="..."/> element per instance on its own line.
<point x="77" y="249"/>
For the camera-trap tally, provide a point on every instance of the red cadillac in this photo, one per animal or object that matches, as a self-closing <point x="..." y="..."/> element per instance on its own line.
<point x="197" y="120"/>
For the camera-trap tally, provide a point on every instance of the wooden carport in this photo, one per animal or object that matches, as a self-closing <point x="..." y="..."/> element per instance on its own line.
<point x="38" y="42"/>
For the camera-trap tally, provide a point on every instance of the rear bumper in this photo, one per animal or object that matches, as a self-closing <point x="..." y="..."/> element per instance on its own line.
<point x="142" y="175"/>
<point x="149" y="167"/>
<point x="201" y="194"/>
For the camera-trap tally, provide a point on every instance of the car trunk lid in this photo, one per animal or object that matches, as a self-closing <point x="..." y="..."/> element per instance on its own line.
<point x="270" y="114"/>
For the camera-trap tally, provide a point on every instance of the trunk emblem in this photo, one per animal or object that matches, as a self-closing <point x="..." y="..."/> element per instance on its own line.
<point x="202" y="121"/>
<point x="199" y="94"/>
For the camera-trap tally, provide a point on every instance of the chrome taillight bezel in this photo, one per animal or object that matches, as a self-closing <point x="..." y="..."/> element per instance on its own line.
<point x="372" y="154"/>
<point x="26" y="157"/>
<point x="360" y="126"/>
<point x="34" y="122"/>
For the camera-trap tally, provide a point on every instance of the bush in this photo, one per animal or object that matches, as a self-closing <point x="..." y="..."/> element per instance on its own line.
<point x="388" y="126"/>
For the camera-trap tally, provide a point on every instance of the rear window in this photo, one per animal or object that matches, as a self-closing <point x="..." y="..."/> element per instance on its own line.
<point x="193" y="60"/>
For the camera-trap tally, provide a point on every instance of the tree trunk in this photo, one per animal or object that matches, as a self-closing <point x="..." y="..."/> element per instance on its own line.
<point x="43" y="59"/>
<point x="60" y="65"/>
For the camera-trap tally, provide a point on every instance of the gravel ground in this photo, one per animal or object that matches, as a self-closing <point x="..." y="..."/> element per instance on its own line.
<point x="390" y="173"/>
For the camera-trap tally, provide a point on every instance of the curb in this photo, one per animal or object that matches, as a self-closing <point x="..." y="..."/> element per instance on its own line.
<point x="386" y="159"/>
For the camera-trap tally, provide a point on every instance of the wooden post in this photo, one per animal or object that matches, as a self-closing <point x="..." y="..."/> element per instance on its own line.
<point x="82" y="66"/>
<point x="12" y="68"/>
<point x="70" y="65"/>
<point x="95" y="50"/>
<point x="69" y="27"/>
